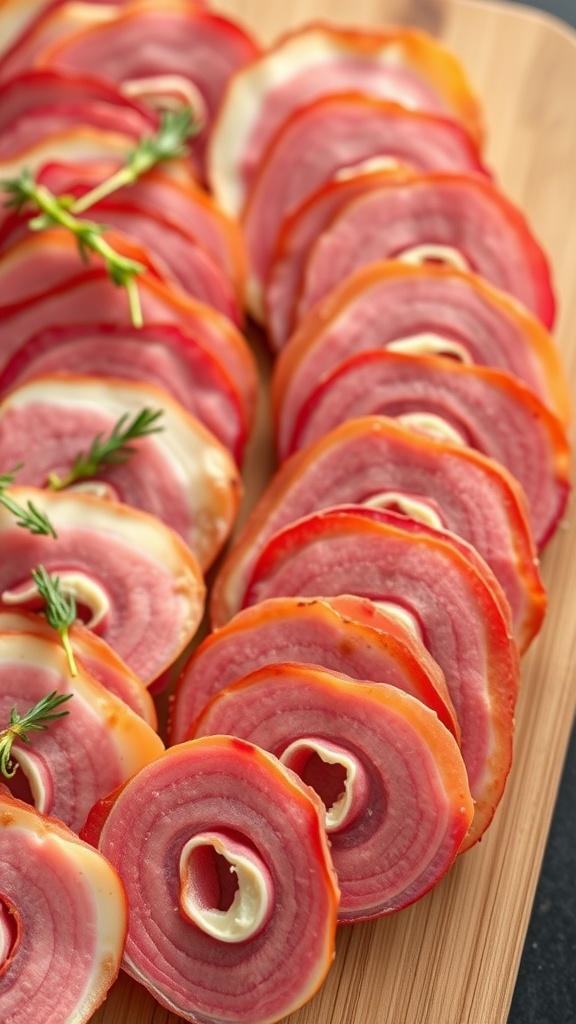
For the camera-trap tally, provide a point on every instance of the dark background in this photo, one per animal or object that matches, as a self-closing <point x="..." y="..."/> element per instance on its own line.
<point x="546" y="988"/>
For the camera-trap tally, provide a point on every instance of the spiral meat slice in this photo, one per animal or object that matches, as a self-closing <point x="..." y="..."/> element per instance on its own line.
<point x="391" y="776"/>
<point x="345" y="634"/>
<point x="377" y="462"/>
<point x="223" y="855"/>
<point x="66" y="920"/>
<point x="449" y="592"/>
<point x="95" y="656"/>
<point x="482" y="408"/>
<point x="166" y="355"/>
<point x="399" y="64"/>
<point x="181" y="474"/>
<point x="426" y="310"/>
<point x="82" y="756"/>
<point x="456" y="218"/>
<point x="136" y="583"/>
<point x="325" y="137"/>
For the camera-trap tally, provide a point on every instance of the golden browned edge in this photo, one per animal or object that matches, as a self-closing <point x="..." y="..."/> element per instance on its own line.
<point x="453" y="957"/>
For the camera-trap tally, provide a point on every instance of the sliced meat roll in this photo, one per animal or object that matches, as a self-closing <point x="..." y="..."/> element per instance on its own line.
<point x="223" y="854"/>
<point x="65" y="917"/>
<point x="377" y="462"/>
<point x="81" y="757"/>
<point x="181" y="474"/>
<point x="167" y="355"/>
<point x="472" y="405"/>
<point x="325" y="137"/>
<point x="136" y="583"/>
<point x="152" y="46"/>
<point x="92" y="298"/>
<point x="391" y="776"/>
<point x="452" y="218"/>
<point x="79" y="143"/>
<point x="345" y="634"/>
<point x="400" y="64"/>
<point x="453" y="600"/>
<point x="94" y="655"/>
<point x="426" y="310"/>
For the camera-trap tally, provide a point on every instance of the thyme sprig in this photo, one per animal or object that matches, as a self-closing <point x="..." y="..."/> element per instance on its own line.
<point x="111" y="450"/>
<point x="28" y="516"/>
<point x="60" y="609"/>
<point x="36" y="718"/>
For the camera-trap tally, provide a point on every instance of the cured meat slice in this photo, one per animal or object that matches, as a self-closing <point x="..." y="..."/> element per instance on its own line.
<point x="347" y="635"/>
<point x="377" y="462"/>
<point x="399" y="64"/>
<point x="210" y="947"/>
<point x="448" y="217"/>
<point x="91" y="298"/>
<point x="68" y="920"/>
<point x="95" y="656"/>
<point x="390" y="774"/>
<point x="451" y="596"/>
<point x="181" y="474"/>
<point x="145" y="42"/>
<point x="427" y="310"/>
<point x="137" y="584"/>
<point x="167" y="355"/>
<point x="81" y="757"/>
<point x="325" y="137"/>
<point x="485" y="409"/>
<point x="76" y="144"/>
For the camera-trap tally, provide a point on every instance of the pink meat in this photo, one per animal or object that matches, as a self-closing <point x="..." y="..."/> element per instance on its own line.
<point x="455" y="604"/>
<point x="388" y="302"/>
<point x="466" y="213"/>
<point x="489" y="410"/>
<point x="167" y="355"/>
<point x="44" y="121"/>
<point x="226" y="785"/>
<point x="372" y="646"/>
<point x="390" y="849"/>
<point x="364" y="459"/>
<point x="334" y="133"/>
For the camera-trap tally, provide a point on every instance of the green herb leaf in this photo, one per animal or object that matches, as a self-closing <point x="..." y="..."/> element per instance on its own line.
<point x="29" y="517"/>
<point x="37" y="718"/>
<point x="111" y="450"/>
<point x="60" y="609"/>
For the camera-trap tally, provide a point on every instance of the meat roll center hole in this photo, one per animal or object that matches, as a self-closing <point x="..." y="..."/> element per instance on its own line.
<point x="329" y="780"/>
<point x="92" y="601"/>
<point x="335" y="774"/>
<point x="215" y="879"/>
<point x="8" y="931"/>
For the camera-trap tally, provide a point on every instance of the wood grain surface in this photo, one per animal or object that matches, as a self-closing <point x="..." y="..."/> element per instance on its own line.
<point x="453" y="957"/>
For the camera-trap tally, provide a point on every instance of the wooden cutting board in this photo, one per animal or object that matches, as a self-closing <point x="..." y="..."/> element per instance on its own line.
<point x="453" y="957"/>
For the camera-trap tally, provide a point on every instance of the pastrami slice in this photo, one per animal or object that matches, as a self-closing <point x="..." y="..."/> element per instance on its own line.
<point x="207" y="814"/>
<point x="478" y="407"/>
<point x="377" y="462"/>
<point x="450" y="593"/>
<point x="136" y="583"/>
<point x="83" y="755"/>
<point x="67" y="919"/>
<point x="350" y="636"/>
<point x="181" y="474"/>
<point x="391" y="776"/>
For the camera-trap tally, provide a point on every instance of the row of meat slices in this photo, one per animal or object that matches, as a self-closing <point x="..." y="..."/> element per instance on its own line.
<point x="385" y="585"/>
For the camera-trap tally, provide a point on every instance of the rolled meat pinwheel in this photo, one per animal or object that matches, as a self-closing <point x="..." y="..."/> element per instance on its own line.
<point x="223" y="854"/>
<point x="345" y="634"/>
<point x="95" y="656"/>
<point x="92" y="749"/>
<point x="390" y="774"/>
<point x="169" y="356"/>
<point x="459" y="219"/>
<point x="136" y="583"/>
<point x="453" y="600"/>
<point x="63" y="912"/>
<point x="482" y="408"/>
<point x="399" y="64"/>
<point x="378" y="462"/>
<point x="326" y="137"/>
<point x="92" y="298"/>
<point x="156" y="51"/>
<point x="179" y="472"/>
<point x="425" y="310"/>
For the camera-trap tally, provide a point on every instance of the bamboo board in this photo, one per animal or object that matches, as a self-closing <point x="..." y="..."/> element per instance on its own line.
<point x="453" y="957"/>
